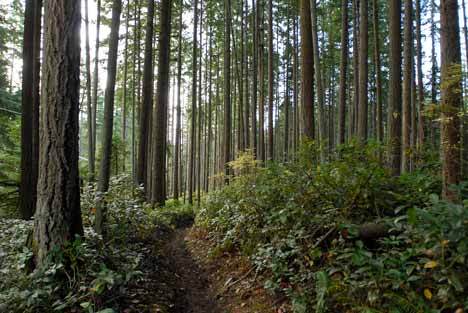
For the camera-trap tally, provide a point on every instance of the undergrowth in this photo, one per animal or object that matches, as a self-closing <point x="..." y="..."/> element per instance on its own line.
<point x="345" y="236"/>
<point x="92" y="273"/>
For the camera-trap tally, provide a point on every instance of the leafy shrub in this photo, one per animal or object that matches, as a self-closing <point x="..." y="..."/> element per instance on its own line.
<point x="300" y="224"/>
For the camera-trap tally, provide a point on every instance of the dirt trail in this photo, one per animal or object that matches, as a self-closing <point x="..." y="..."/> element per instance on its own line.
<point x="194" y="292"/>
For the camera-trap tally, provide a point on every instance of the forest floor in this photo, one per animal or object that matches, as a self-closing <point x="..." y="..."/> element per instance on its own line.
<point x="185" y="276"/>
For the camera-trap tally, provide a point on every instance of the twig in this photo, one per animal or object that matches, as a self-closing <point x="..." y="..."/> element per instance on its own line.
<point x="324" y="237"/>
<point x="236" y="282"/>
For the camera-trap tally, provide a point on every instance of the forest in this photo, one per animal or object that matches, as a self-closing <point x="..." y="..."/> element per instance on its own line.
<point x="212" y="156"/>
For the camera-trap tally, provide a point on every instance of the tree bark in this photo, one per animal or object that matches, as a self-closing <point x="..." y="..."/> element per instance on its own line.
<point x="147" y="102"/>
<point x="92" y="156"/>
<point x="407" y="69"/>
<point x="162" y="90"/>
<point x="318" y="80"/>
<point x="270" y="81"/>
<point x="394" y="97"/>
<point x="451" y="96"/>
<point x="378" y="74"/>
<point x="421" y="120"/>
<point x="363" y="70"/>
<point x="124" y="102"/>
<point x="58" y="215"/>
<point x="465" y="116"/>
<point x="179" y="113"/>
<point x="106" y="146"/>
<point x="307" y="70"/>
<point x="227" y="88"/>
<point x="89" y="104"/>
<point x="194" y="106"/>
<point x="343" y="72"/>
<point x="30" y="109"/>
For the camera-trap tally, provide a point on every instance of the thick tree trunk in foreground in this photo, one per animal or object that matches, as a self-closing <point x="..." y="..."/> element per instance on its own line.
<point x="394" y="97"/>
<point x="106" y="148"/>
<point x="307" y="70"/>
<point x="58" y="216"/>
<point x="162" y="90"/>
<point x="451" y="96"/>
<point x="30" y="109"/>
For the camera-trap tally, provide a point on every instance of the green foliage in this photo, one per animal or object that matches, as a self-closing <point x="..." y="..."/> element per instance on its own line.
<point x="300" y="224"/>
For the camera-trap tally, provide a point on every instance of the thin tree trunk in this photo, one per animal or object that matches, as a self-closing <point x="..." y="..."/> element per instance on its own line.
<point x="30" y="109"/>
<point x="270" y="81"/>
<point x="179" y="113"/>
<point x="106" y="148"/>
<point x="194" y="106"/>
<point x="124" y="102"/>
<point x="465" y="116"/>
<point x="407" y="58"/>
<point x="451" y="99"/>
<point x="378" y="73"/>
<point x="89" y="104"/>
<point x="160" y="125"/>
<point x="227" y="88"/>
<point x="394" y="97"/>
<point x="318" y="80"/>
<point x="355" y="109"/>
<point x="421" y="120"/>
<point x="92" y="156"/>
<point x="363" y="70"/>
<point x="307" y="70"/>
<point x="343" y="72"/>
<point x="147" y="103"/>
<point x="58" y="216"/>
<point x="255" y="48"/>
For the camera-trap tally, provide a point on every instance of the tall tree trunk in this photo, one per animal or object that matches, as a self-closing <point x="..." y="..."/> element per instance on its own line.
<point x="363" y="67"/>
<point x="30" y="109"/>
<point x="465" y="116"/>
<point x="227" y="87"/>
<point x="378" y="74"/>
<point x="307" y="70"/>
<point x="394" y="97"/>
<point x="434" y="71"/>
<point x="295" y="87"/>
<point x="162" y="90"/>
<point x="92" y="156"/>
<point x="135" y="83"/>
<point x="194" y="106"/>
<point x="147" y="103"/>
<point x="451" y="99"/>
<point x="124" y="102"/>
<point x="179" y="113"/>
<point x="355" y="107"/>
<point x="318" y="80"/>
<point x="407" y="58"/>
<point x="58" y="215"/>
<point x="106" y="148"/>
<point x="343" y="72"/>
<point x="261" y="79"/>
<point x="245" y="79"/>
<point x="270" y="81"/>
<point x="421" y="120"/>
<point x="254" y="76"/>
<point x="209" y="127"/>
<point x="89" y="104"/>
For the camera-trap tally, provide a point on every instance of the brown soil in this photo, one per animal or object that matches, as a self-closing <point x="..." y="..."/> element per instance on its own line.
<point x="182" y="275"/>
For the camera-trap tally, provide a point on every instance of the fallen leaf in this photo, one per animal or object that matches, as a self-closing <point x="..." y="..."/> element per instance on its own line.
<point x="431" y="264"/>
<point x="428" y="294"/>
